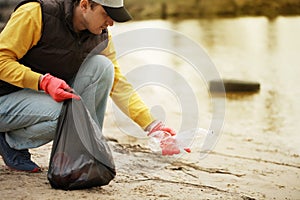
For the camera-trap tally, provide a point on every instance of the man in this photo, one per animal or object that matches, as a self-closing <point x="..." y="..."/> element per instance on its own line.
<point x="43" y="47"/>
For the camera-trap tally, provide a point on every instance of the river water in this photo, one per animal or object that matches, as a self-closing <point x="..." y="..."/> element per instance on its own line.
<point x="248" y="48"/>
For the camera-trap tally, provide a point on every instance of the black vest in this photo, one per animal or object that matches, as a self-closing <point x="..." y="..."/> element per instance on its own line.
<point x="60" y="51"/>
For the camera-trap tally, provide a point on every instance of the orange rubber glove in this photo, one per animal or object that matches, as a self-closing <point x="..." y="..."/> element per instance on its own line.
<point x="166" y="137"/>
<point x="159" y="126"/>
<point x="57" y="88"/>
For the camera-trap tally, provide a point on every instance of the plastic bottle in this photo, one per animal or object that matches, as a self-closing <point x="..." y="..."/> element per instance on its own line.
<point x="184" y="140"/>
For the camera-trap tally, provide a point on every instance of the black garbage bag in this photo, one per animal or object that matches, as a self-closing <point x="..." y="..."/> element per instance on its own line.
<point x="80" y="157"/>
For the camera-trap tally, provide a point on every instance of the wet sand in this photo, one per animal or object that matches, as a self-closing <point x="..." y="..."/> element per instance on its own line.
<point x="240" y="167"/>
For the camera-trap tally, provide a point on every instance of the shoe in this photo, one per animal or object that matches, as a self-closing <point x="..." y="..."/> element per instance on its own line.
<point x="16" y="159"/>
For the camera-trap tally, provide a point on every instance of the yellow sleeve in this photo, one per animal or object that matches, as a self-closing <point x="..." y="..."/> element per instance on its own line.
<point x="21" y="33"/>
<point x="123" y="94"/>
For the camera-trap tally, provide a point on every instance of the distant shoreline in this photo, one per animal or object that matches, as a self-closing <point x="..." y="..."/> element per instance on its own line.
<point x="178" y="9"/>
<point x="163" y="9"/>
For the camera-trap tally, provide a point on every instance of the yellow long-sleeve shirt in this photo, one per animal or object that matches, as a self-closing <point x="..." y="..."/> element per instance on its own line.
<point x="24" y="30"/>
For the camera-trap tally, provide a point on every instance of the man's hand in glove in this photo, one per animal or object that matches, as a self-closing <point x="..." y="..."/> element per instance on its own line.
<point x="57" y="88"/>
<point x="166" y="136"/>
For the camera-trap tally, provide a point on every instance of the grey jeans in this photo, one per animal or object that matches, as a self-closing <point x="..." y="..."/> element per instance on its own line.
<point x="29" y="117"/>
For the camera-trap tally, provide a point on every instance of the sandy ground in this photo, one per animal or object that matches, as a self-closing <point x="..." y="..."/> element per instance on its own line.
<point x="240" y="167"/>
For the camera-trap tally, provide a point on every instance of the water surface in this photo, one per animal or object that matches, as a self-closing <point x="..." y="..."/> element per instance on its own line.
<point x="249" y="48"/>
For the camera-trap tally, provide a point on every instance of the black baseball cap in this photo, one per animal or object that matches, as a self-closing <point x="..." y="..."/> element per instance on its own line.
<point x="115" y="9"/>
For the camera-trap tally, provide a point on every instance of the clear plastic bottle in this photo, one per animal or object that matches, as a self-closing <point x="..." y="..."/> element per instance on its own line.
<point x="184" y="140"/>
<point x="154" y="140"/>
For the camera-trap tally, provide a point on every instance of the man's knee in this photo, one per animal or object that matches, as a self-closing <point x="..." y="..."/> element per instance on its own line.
<point x="106" y="68"/>
<point x="99" y="67"/>
<point x="95" y="71"/>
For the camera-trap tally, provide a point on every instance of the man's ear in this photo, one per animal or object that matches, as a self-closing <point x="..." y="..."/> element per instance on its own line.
<point x="84" y="4"/>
